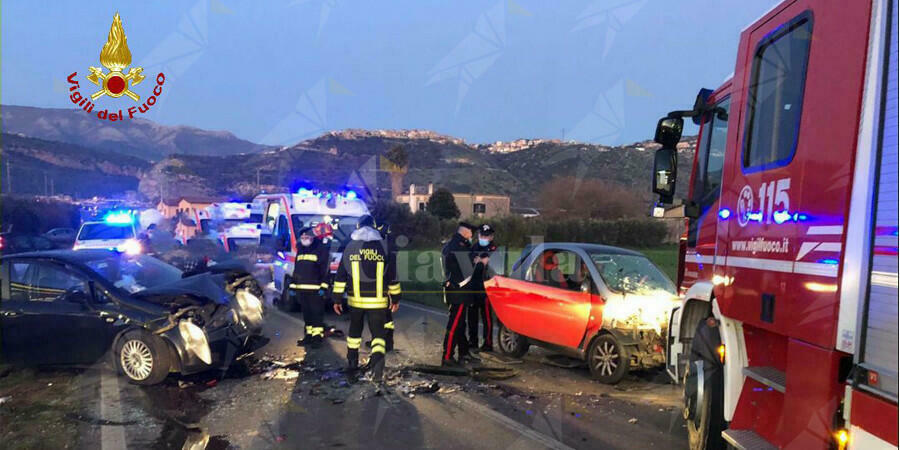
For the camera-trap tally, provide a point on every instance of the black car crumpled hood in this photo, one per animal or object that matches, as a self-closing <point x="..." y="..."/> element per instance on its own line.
<point x="201" y="286"/>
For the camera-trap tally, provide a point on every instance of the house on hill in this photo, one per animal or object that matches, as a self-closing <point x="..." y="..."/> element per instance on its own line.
<point x="470" y="205"/>
<point x="170" y="208"/>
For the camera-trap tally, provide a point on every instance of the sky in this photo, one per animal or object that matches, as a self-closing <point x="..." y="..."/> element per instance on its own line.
<point x="280" y="71"/>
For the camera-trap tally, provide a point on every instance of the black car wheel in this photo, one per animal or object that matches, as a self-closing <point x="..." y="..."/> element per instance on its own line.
<point x="143" y="357"/>
<point x="704" y="392"/>
<point x="608" y="359"/>
<point x="512" y="343"/>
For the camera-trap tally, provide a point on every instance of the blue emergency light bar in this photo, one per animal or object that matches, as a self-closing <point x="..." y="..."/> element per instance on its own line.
<point x="350" y="195"/>
<point x="118" y="218"/>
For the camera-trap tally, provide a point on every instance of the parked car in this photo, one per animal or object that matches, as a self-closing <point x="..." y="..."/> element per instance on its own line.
<point x="71" y="307"/>
<point x="115" y="231"/>
<point x="605" y="305"/>
<point x="11" y="243"/>
<point x="64" y="237"/>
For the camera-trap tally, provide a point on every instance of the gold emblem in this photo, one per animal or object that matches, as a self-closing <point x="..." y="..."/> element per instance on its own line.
<point x="115" y="56"/>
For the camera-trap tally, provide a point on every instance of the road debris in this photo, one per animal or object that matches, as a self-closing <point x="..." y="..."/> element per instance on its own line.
<point x="632" y="420"/>
<point x="499" y="359"/>
<point x="4" y="400"/>
<point x="562" y="361"/>
<point x="479" y="373"/>
<point x="280" y="374"/>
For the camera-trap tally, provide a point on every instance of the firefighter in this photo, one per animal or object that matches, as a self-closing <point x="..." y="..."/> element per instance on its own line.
<point x="368" y="275"/>
<point x="309" y="283"/>
<point x="480" y="310"/>
<point x="385" y="229"/>
<point x="457" y="275"/>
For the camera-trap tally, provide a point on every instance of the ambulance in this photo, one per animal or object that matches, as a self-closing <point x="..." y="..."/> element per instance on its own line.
<point x="285" y="214"/>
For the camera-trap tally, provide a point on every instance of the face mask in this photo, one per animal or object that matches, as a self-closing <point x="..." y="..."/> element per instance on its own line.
<point x="483" y="242"/>
<point x="306" y="242"/>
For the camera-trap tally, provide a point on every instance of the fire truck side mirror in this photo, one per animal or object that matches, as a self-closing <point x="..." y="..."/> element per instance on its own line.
<point x="665" y="171"/>
<point x="668" y="131"/>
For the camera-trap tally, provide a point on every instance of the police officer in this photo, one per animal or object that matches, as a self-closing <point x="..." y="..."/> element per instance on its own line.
<point x="368" y="274"/>
<point x="309" y="283"/>
<point x="457" y="276"/>
<point x="480" y="310"/>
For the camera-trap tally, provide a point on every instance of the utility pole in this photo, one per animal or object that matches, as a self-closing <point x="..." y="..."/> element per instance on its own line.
<point x="257" y="179"/>
<point x="8" y="178"/>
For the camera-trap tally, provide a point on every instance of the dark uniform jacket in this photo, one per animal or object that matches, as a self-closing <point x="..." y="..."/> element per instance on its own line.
<point x="481" y="272"/>
<point x="368" y="273"/>
<point x="458" y="267"/>
<point x="311" y="267"/>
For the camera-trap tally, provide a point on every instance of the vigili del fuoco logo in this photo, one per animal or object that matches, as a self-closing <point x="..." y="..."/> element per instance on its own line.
<point x="116" y="83"/>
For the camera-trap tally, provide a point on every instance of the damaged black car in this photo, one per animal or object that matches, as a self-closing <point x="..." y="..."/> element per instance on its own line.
<point x="72" y="307"/>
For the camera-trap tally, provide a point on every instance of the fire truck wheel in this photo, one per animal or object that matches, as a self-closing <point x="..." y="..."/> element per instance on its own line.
<point x="512" y="343"/>
<point x="704" y="394"/>
<point x="608" y="359"/>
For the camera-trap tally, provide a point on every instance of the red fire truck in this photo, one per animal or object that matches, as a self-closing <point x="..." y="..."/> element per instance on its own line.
<point x="786" y="336"/>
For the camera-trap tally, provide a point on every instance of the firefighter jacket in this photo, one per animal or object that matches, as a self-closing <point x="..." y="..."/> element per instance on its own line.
<point x="311" y="267"/>
<point x="368" y="273"/>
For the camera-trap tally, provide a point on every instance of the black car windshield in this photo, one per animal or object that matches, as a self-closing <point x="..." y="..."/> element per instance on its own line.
<point x="631" y="274"/>
<point x="96" y="231"/>
<point x="135" y="273"/>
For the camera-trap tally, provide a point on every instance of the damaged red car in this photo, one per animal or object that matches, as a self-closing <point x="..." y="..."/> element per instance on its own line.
<point x="605" y="305"/>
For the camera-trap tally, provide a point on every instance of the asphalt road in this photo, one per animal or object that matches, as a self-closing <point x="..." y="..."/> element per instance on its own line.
<point x="541" y="407"/>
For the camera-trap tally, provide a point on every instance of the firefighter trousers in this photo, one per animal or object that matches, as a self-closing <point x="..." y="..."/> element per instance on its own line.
<point x="455" y="337"/>
<point x="377" y="319"/>
<point x="388" y="332"/>
<point x="480" y="311"/>
<point x="313" y="306"/>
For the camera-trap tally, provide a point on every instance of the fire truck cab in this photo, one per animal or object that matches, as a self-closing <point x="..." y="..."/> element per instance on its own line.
<point x="284" y="215"/>
<point x="787" y="333"/>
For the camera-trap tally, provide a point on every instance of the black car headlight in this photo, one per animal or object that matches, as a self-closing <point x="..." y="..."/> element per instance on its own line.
<point x="251" y="307"/>
<point x="195" y="340"/>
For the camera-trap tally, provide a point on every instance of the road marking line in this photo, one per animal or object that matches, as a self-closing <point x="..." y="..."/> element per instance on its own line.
<point x="111" y="436"/>
<point x="524" y="430"/>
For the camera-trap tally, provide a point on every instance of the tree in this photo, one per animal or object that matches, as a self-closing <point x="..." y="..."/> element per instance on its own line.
<point x="442" y="205"/>
<point x="397" y="165"/>
<point x="590" y="198"/>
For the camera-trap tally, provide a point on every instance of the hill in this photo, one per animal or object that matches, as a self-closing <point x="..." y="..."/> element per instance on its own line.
<point x="37" y="166"/>
<point x="139" y="137"/>
<point x="352" y="157"/>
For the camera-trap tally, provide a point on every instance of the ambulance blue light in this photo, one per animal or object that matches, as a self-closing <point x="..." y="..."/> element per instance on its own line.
<point x="755" y="216"/>
<point x="304" y="192"/>
<point x="118" y="218"/>
<point x="724" y="213"/>
<point x="829" y="261"/>
<point x="350" y="195"/>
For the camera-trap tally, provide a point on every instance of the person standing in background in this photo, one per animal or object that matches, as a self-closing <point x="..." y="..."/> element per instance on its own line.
<point x="480" y="310"/>
<point x="458" y="267"/>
